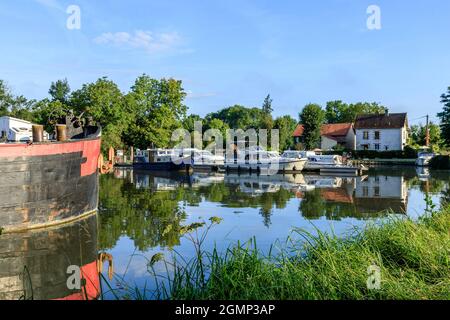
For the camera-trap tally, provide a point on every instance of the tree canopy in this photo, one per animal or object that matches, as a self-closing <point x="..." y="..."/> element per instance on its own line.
<point x="340" y="112"/>
<point x="312" y="117"/>
<point x="445" y="117"/>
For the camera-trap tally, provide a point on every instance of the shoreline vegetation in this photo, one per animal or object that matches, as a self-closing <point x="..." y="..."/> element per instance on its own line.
<point x="412" y="257"/>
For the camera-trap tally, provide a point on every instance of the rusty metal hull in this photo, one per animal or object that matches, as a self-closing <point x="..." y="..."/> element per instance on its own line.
<point x="34" y="264"/>
<point x="46" y="184"/>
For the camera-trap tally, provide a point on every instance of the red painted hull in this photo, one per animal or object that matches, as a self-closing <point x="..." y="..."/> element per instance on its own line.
<point x="47" y="183"/>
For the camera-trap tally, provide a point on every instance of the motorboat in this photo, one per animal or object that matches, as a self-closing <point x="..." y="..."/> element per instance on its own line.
<point x="424" y="158"/>
<point x="257" y="159"/>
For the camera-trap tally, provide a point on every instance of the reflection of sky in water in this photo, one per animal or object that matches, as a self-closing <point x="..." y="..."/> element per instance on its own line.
<point x="244" y="223"/>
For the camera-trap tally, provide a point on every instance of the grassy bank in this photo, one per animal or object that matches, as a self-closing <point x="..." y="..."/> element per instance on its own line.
<point x="413" y="259"/>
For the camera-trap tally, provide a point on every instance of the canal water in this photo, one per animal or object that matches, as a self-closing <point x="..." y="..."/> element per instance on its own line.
<point x="142" y="214"/>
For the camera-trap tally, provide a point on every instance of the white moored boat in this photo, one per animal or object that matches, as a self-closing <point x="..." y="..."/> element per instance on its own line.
<point x="424" y="158"/>
<point x="326" y="164"/>
<point x="204" y="159"/>
<point x="257" y="159"/>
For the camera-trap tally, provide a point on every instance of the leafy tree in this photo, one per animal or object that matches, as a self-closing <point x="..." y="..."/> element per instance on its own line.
<point x="418" y="135"/>
<point x="340" y="112"/>
<point x="286" y="126"/>
<point x="238" y="117"/>
<point x="189" y="122"/>
<point x="266" y="121"/>
<point x="157" y="108"/>
<point x="312" y="117"/>
<point x="14" y="106"/>
<point x="104" y="102"/>
<point x="445" y="117"/>
<point x="59" y="91"/>
<point x="267" y="105"/>
<point x="219" y="125"/>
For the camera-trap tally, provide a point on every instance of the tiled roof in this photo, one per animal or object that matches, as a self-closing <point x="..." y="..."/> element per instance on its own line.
<point x="332" y="130"/>
<point x="381" y="121"/>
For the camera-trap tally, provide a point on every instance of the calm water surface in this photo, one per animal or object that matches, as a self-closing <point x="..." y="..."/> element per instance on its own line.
<point x="141" y="213"/>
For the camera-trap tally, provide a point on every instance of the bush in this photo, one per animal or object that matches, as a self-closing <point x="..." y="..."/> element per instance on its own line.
<point x="440" y="162"/>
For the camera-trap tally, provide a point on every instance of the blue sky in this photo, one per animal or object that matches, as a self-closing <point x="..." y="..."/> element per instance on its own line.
<point x="236" y="52"/>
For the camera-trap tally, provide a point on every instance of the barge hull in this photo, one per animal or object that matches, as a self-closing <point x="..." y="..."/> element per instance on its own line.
<point x="47" y="184"/>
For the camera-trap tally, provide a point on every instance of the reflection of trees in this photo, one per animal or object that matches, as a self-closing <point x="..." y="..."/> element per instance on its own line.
<point x="435" y="183"/>
<point x="149" y="219"/>
<point x="231" y="196"/>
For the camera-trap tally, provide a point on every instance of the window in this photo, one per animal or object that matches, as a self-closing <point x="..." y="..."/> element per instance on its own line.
<point x="386" y="148"/>
<point x="365" y="146"/>
<point x="376" y="191"/>
<point x="377" y="146"/>
<point x="365" y="191"/>
<point x="377" y="135"/>
<point x="366" y="135"/>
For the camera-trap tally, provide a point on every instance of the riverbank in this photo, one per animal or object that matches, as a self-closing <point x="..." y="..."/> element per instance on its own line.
<point x="412" y="256"/>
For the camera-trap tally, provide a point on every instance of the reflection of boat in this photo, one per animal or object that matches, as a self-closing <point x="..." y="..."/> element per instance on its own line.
<point x="162" y="160"/>
<point x="257" y="159"/>
<point x="34" y="265"/>
<point x="259" y="184"/>
<point x="159" y="180"/>
<point x="49" y="182"/>
<point x="423" y="173"/>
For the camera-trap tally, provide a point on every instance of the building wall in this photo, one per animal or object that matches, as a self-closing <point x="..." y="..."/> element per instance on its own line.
<point x="351" y="140"/>
<point x="393" y="139"/>
<point x="327" y="143"/>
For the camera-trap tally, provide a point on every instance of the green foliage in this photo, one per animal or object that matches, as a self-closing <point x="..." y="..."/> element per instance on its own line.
<point x="413" y="259"/>
<point x="104" y="102"/>
<point x="312" y="117"/>
<point x="340" y="112"/>
<point x="440" y="162"/>
<point x="445" y="117"/>
<point x="418" y="136"/>
<point x="238" y="117"/>
<point x="14" y="106"/>
<point x="59" y="91"/>
<point x="407" y="153"/>
<point x="157" y="109"/>
<point x="267" y="105"/>
<point x="286" y="126"/>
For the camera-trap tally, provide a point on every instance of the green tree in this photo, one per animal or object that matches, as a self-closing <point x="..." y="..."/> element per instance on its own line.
<point x="445" y="117"/>
<point x="418" y="135"/>
<point x="340" y="112"/>
<point x="238" y="117"/>
<point x="267" y="105"/>
<point x="157" y="108"/>
<point x="59" y="91"/>
<point x="266" y="121"/>
<point x="312" y="117"/>
<point x="104" y="102"/>
<point x="286" y="126"/>
<point x="14" y="106"/>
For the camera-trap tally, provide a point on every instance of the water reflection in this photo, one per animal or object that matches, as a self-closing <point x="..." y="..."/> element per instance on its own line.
<point x="151" y="208"/>
<point x="33" y="265"/>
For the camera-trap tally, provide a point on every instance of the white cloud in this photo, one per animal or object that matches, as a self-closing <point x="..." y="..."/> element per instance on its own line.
<point x="151" y="42"/>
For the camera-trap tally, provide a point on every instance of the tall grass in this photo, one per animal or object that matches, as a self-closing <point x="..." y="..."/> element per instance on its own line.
<point x="413" y="258"/>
